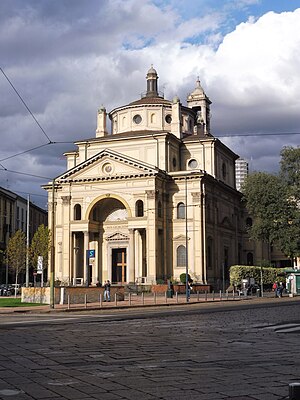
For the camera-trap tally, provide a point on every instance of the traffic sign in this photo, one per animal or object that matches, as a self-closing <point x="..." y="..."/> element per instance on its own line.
<point x="40" y="263"/>
<point x="91" y="253"/>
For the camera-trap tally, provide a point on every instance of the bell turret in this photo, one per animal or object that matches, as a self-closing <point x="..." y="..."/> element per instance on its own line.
<point x="152" y="78"/>
<point x="200" y="103"/>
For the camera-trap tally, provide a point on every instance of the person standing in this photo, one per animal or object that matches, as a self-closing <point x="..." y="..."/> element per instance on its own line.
<point x="107" y="291"/>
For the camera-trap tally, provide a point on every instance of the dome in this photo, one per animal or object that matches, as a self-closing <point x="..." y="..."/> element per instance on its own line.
<point x="152" y="70"/>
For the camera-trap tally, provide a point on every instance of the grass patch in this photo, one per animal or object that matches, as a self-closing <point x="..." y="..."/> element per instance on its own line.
<point x="16" y="302"/>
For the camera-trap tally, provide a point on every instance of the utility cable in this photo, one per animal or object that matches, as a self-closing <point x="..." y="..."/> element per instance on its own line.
<point x="24" y="173"/>
<point x="25" y="151"/>
<point x="25" y="105"/>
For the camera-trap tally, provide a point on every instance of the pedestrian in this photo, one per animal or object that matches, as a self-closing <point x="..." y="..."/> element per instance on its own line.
<point x="275" y="289"/>
<point x="107" y="291"/>
<point x="188" y="290"/>
<point x="280" y="289"/>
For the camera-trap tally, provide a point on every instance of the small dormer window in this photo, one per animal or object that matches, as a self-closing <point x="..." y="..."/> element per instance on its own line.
<point x="137" y="119"/>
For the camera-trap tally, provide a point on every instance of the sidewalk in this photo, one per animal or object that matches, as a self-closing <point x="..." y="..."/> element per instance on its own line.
<point x="138" y="301"/>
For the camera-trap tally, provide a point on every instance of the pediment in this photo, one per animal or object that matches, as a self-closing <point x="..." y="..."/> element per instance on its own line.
<point x="117" y="236"/>
<point x="107" y="165"/>
<point x="226" y="223"/>
<point x="179" y="238"/>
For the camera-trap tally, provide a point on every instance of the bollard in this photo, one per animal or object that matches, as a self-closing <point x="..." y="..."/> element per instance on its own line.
<point x="205" y="295"/>
<point x="85" y="301"/>
<point x="166" y="297"/>
<point x="176" y="297"/>
<point x="213" y="295"/>
<point x="233" y="294"/>
<point x="198" y="295"/>
<point x="129" y="296"/>
<point x="143" y="298"/>
<point x="220" y="295"/>
<point x="116" y="300"/>
<point x="68" y="301"/>
<point x="294" y="391"/>
<point x="154" y="297"/>
<point x="100" y="300"/>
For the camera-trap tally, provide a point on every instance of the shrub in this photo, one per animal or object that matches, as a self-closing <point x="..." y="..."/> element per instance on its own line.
<point x="269" y="274"/>
<point x="183" y="278"/>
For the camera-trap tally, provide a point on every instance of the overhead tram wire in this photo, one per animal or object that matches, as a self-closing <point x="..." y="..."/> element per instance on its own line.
<point x="25" y="105"/>
<point x="26" y="174"/>
<point x="256" y="134"/>
<point x="26" y="151"/>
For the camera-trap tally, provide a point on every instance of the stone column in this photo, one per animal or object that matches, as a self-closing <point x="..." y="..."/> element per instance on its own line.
<point x="65" y="261"/>
<point x="131" y="265"/>
<point x="197" y="235"/>
<point x="151" y="236"/>
<point x="86" y="247"/>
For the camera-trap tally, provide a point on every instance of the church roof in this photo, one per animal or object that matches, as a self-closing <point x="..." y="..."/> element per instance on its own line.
<point x="151" y="100"/>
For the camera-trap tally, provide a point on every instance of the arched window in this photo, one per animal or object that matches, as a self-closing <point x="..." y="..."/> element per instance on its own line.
<point x="180" y="211"/>
<point x="181" y="256"/>
<point x="159" y="209"/>
<point x="249" y="258"/>
<point x="153" y="118"/>
<point x="77" y="212"/>
<point x="139" y="208"/>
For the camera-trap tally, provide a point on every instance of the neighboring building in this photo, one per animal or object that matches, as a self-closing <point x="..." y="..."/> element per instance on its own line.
<point x="154" y="196"/>
<point x="241" y="172"/>
<point x="13" y="216"/>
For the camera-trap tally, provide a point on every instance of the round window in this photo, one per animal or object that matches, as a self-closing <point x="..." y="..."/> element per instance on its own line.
<point x="193" y="164"/>
<point x="107" y="168"/>
<point x="137" y="119"/>
<point x="168" y="119"/>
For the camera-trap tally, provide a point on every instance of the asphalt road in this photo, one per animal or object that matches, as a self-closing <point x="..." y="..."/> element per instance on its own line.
<point x="221" y="351"/>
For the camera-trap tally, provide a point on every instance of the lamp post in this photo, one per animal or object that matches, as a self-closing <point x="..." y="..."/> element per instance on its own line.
<point x="52" y="250"/>
<point x="186" y="246"/>
<point x="27" y="241"/>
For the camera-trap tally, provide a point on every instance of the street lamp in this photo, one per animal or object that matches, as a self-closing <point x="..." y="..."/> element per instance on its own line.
<point x="52" y="250"/>
<point x="186" y="246"/>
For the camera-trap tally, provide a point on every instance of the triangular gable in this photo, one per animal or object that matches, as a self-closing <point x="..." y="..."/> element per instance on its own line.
<point x="107" y="164"/>
<point x="117" y="236"/>
<point x="226" y="223"/>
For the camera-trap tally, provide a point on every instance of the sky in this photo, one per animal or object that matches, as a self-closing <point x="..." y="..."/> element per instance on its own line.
<point x="62" y="59"/>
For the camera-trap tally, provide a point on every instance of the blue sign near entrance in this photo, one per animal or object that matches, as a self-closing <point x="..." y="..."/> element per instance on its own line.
<point x="91" y="253"/>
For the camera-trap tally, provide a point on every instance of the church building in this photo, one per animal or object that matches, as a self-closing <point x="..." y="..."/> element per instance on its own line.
<point x="150" y="198"/>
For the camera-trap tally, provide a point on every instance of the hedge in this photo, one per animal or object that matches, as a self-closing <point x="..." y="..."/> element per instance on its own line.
<point x="269" y="274"/>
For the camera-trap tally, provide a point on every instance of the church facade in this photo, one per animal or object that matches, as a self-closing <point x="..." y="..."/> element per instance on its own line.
<point x="151" y="198"/>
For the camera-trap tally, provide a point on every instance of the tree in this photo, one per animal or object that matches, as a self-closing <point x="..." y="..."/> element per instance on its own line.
<point x="40" y="246"/>
<point x="266" y="200"/>
<point x="290" y="170"/>
<point x="274" y="202"/>
<point x="16" y="253"/>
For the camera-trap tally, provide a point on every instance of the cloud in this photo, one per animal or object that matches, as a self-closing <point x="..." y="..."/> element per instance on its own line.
<point x="67" y="61"/>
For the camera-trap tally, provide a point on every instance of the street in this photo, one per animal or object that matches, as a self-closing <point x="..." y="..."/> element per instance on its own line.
<point x="241" y="351"/>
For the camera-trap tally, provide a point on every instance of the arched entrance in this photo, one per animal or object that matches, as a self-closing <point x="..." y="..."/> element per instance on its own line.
<point x="108" y="221"/>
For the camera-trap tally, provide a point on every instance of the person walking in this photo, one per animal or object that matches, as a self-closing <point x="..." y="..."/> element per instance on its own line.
<point x="107" y="291"/>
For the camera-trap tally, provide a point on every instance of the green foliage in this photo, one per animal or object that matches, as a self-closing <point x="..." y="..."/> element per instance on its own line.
<point x="40" y="246"/>
<point x="269" y="274"/>
<point x="290" y="170"/>
<point x="273" y="201"/>
<point x="15" y="302"/>
<point x="16" y="253"/>
<point x="183" y="278"/>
